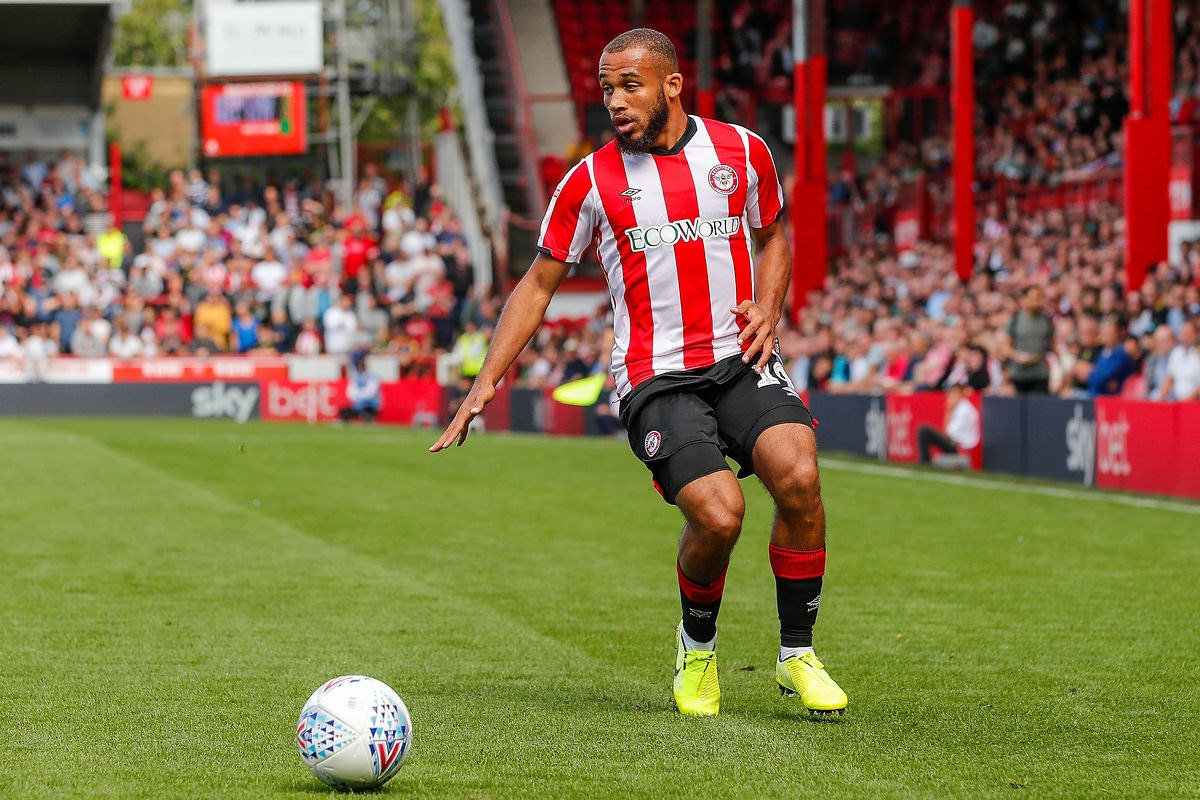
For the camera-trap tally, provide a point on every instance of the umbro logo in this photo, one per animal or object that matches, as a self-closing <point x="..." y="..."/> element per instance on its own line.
<point x="814" y="604"/>
<point x="631" y="193"/>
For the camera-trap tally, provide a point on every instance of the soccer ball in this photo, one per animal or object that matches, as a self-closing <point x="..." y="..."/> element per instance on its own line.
<point x="354" y="732"/>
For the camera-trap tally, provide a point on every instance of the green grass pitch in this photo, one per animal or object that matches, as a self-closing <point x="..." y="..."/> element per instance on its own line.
<point x="173" y="590"/>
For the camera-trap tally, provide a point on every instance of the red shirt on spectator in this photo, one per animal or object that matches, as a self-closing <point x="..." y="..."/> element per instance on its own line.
<point x="420" y="328"/>
<point x="359" y="249"/>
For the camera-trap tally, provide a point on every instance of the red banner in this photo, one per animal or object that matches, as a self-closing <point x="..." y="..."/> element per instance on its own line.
<point x="409" y="401"/>
<point x="249" y="369"/>
<point x="906" y="413"/>
<point x="1188" y="442"/>
<point x="254" y="119"/>
<point x="1144" y="446"/>
<point x="413" y="401"/>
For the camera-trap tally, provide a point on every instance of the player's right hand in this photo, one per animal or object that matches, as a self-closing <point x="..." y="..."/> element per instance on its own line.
<point x="460" y="426"/>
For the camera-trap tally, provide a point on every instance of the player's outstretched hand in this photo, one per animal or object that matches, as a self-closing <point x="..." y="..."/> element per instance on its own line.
<point x="460" y="426"/>
<point x="760" y="327"/>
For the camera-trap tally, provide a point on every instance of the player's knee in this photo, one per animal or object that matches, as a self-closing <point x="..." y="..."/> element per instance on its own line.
<point x="798" y="487"/>
<point x="722" y="517"/>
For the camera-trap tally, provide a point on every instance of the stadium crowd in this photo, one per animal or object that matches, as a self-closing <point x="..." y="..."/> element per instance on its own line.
<point x="233" y="267"/>
<point x="244" y="269"/>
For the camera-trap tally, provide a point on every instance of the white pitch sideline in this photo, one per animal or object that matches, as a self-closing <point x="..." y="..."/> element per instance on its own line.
<point x="998" y="485"/>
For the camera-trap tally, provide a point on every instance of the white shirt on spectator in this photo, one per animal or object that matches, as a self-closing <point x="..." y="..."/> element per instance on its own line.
<point x="126" y="345"/>
<point x="415" y="242"/>
<point x="280" y="238"/>
<point x="38" y="352"/>
<point x="340" y="326"/>
<point x="1183" y="367"/>
<point x="72" y="280"/>
<point x="963" y="427"/>
<point x="10" y="348"/>
<point x="398" y="275"/>
<point x="398" y="218"/>
<point x="191" y="239"/>
<point x="268" y="276"/>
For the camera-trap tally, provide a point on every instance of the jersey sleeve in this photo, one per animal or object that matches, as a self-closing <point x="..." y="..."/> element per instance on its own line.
<point x="764" y="196"/>
<point x="570" y="218"/>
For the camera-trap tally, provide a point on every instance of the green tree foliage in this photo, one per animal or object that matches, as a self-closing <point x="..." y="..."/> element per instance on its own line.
<point x="431" y="71"/>
<point x="153" y="33"/>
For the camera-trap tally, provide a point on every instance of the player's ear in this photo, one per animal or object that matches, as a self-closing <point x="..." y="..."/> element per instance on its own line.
<point x="673" y="85"/>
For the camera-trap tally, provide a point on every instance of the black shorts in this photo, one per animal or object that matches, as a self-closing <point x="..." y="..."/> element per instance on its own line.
<point x="682" y="425"/>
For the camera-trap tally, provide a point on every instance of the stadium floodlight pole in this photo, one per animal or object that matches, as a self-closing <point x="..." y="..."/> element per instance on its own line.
<point x="1147" y="138"/>
<point x="810" y="231"/>
<point x="962" y="104"/>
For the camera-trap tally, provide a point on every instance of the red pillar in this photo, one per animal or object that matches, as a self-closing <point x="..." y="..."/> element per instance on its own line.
<point x="962" y="100"/>
<point x="115" y="185"/>
<point x="810" y="231"/>
<point x="1147" y="138"/>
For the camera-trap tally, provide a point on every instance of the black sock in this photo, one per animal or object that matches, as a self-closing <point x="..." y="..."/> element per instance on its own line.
<point x="798" y="601"/>
<point x="701" y="602"/>
<point x="798" y="577"/>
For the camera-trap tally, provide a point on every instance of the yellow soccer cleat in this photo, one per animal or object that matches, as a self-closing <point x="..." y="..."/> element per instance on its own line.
<point x="696" y="689"/>
<point x="805" y="675"/>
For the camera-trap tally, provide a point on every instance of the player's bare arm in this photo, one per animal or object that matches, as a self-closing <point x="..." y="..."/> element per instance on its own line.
<point x="773" y="272"/>
<point x="523" y="313"/>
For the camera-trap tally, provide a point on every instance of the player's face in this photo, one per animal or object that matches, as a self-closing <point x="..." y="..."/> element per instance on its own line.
<point x="635" y="96"/>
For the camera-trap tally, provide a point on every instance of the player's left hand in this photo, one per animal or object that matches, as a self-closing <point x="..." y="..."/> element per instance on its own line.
<point x="759" y="330"/>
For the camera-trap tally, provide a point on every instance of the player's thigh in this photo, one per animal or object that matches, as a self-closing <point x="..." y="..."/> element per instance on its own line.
<point x="713" y="504"/>
<point x="785" y="460"/>
<point x="675" y="436"/>
<point x="753" y="405"/>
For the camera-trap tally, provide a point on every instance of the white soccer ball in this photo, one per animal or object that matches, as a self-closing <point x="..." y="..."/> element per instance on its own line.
<point x="354" y="732"/>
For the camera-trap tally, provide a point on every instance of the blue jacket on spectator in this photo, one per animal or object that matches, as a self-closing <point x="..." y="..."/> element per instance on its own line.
<point x="1112" y="367"/>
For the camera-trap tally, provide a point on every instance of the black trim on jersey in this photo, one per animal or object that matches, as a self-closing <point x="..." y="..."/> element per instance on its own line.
<point x="677" y="148"/>
<point x="547" y="253"/>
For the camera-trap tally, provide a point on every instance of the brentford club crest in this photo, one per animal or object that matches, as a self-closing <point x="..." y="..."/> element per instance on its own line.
<point x="723" y="179"/>
<point x="653" y="442"/>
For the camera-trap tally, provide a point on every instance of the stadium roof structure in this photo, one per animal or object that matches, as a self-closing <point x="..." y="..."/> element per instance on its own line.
<point x="52" y="53"/>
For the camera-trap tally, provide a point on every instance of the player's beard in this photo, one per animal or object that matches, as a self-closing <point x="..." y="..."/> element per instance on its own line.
<point x="644" y="141"/>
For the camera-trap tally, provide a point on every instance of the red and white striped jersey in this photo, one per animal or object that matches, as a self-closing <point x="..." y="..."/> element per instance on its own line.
<point x="670" y="229"/>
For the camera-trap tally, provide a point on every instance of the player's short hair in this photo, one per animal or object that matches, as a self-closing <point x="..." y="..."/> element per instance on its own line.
<point x="654" y="42"/>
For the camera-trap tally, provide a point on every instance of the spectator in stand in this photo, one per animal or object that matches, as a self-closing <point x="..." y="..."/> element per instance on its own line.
<point x="1085" y="349"/>
<point x="1154" y="368"/>
<point x="1115" y="361"/>
<point x="11" y="354"/>
<point x="363" y="391"/>
<point x="341" y="326"/>
<point x="308" y="340"/>
<point x="244" y="328"/>
<point x="91" y="335"/>
<point x="125" y="344"/>
<point x="39" y="348"/>
<point x="214" y="315"/>
<point x="1030" y="336"/>
<point x="203" y="342"/>
<point x="960" y="432"/>
<point x="1183" y="368"/>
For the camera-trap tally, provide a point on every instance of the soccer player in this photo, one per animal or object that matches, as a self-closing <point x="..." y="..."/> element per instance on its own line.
<point x="686" y="215"/>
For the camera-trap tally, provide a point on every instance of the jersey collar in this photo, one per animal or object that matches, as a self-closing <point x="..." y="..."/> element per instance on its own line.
<point x="688" y="133"/>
